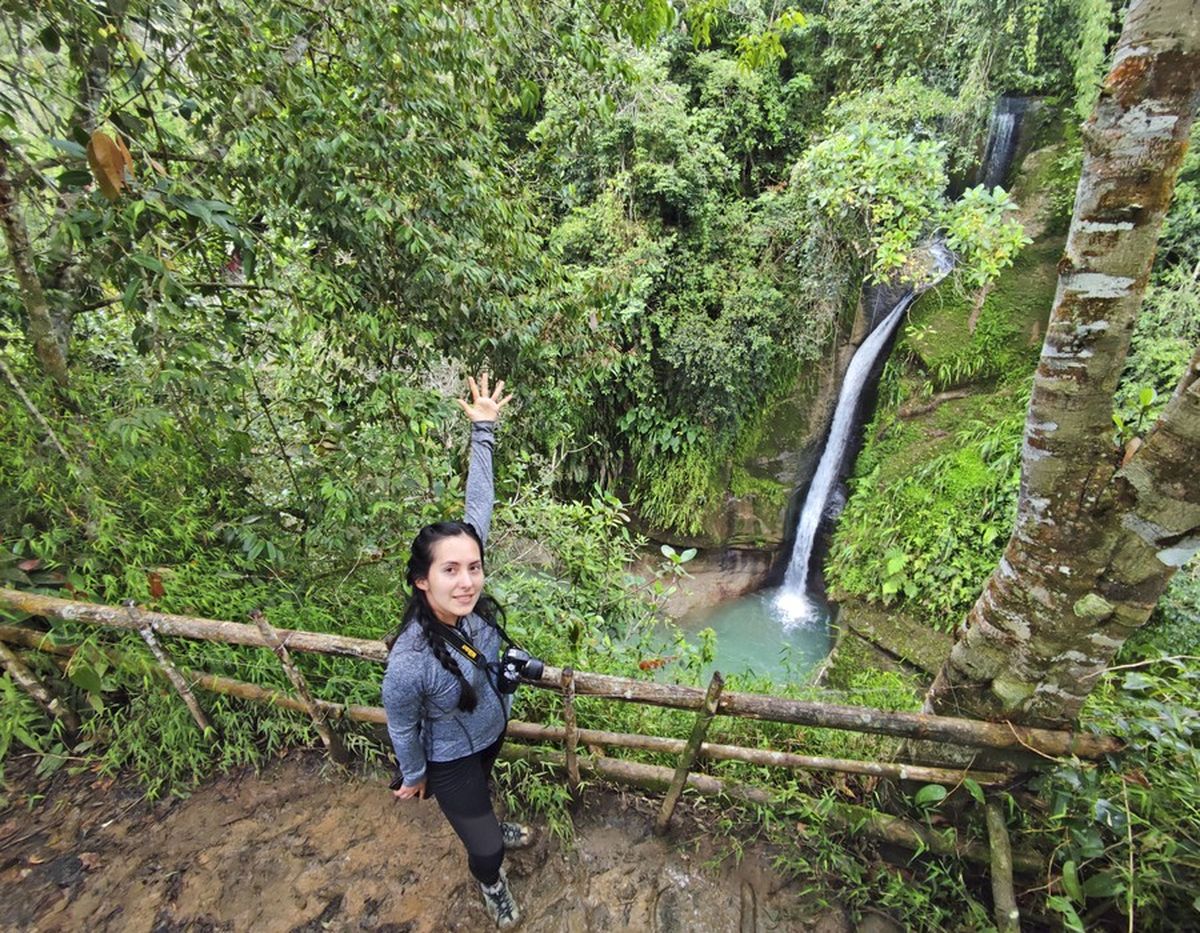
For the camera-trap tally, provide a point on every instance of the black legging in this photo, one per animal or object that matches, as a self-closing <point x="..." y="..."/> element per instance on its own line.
<point x="461" y="789"/>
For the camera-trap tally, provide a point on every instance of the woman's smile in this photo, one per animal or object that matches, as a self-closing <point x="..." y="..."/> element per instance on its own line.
<point x="455" y="578"/>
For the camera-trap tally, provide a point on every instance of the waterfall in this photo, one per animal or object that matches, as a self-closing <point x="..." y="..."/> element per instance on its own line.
<point x="1002" y="140"/>
<point x="792" y="603"/>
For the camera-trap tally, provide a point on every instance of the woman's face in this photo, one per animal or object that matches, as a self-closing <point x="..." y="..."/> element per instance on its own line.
<point x="455" y="578"/>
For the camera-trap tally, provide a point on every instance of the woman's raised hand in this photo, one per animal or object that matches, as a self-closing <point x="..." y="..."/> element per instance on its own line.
<point x="484" y="405"/>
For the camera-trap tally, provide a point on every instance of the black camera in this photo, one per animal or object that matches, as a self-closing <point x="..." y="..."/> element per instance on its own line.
<point x="514" y="665"/>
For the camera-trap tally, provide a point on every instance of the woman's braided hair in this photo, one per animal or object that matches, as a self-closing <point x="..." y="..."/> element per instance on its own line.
<point x="417" y="609"/>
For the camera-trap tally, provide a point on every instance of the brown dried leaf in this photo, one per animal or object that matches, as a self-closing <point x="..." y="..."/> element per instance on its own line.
<point x="32" y="564"/>
<point x="126" y="158"/>
<point x="90" y="860"/>
<point x="156" y="585"/>
<point x="107" y="163"/>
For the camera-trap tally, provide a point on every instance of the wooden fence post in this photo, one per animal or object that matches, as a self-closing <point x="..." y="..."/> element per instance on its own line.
<point x="146" y="630"/>
<point x="572" y="730"/>
<point x="1004" y="900"/>
<point x="688" y="756"/>
<point x="337" y="751"/>
<point x="27" y="680"/>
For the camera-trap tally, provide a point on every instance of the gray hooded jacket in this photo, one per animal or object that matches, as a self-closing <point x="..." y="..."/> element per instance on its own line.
<point x="420" y="697"/>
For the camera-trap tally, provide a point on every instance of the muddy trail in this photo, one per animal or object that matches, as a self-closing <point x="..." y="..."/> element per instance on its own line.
<point x="298" y="848"/>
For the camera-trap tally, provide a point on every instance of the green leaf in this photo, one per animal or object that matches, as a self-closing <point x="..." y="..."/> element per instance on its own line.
<point x="1103" y="884"/>
<point x="973" y="789"/>
<point x="149" y="262"/>
<point x="86" y="678"/>
<point x="50" y="763"/>
<point x="50" y="40"/>
<point x="74" y="178"/>
<point x="1070" y="880"/>
<point x="930" y="795"/>
<point x="667" y="551"/>
<point x="1071" y="919"/>
<point x="1137" y="682"/>
<point x="70" y="148"/>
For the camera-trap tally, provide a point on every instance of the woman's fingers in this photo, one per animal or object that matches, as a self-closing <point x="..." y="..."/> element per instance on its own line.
<point x="485" y="400"/>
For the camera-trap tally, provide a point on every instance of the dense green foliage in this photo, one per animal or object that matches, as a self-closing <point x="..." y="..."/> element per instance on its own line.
<point x="653" y="225"/>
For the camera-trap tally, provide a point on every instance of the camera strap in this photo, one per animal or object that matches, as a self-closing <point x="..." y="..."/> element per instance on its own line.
<point x="451" y="635"/>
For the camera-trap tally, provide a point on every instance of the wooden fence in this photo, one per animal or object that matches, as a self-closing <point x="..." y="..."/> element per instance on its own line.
<point x="707" y="704"/>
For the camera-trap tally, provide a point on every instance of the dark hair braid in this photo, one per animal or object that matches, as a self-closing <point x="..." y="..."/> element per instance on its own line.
<point x="467" y="697"/>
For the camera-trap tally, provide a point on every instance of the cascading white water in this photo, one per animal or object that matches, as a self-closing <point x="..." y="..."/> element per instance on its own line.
<point x="792" y="603"/>
<point x="1002" y="140"/>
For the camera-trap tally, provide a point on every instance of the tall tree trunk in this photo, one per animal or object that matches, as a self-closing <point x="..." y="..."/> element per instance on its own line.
<point x="1095" y="542"/>
<point x="43" y="334"/>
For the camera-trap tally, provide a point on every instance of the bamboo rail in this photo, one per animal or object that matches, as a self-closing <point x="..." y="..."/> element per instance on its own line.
<point x="968" y="732"/>
<point x="337" y="751"/>
<point x="843" y="816"/>
<point x="27" y="680"/>
<point x="535" y="732"/>
<point x="571" y="732"/>
<point x="170" y="672"/>
<point x="1004" y="899"/>
<point x="688" y="756"/>
<point x="872" y="823"/>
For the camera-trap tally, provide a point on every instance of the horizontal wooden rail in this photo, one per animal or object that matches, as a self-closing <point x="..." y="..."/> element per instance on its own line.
<point x="229" y="633"/>
<point x="967" y="732"/>
<point x="845" y="816"/>
<point x="534" y="732"/>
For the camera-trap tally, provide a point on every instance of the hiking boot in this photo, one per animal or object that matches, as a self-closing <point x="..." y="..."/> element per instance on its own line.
<point x="498" y="900"/>
<point x="516" y="835"/>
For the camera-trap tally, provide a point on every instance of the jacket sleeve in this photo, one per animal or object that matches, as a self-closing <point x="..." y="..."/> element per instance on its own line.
<point x="480" y="488"/>
<point x="403" y="697"/>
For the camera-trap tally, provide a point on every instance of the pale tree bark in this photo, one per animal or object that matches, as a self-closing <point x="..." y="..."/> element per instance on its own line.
<point x="46" y="340"/>
<point x="1095" y="541"/>
<point x="49" y="317"/>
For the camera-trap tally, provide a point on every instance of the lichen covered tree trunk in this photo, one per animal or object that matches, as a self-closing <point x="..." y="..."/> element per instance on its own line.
<point x="1096" y="540"/>
<point x="43" y="335"/>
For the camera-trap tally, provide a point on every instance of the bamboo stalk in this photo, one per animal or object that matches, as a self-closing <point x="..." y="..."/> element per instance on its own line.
<point x="172" y="674"/>
<point x="27" y="681"/>
<point x="535" y="732"/>
<point x="848" y="817"/>
<point x="842" y="816"/>
<point x="333" y="744"/>
<point x="229" y="633"/>
<point x="35" y="414"/>
<point x="1004" y="900"/>
<point x="950" y="777"/>
<point x="571" y="737"/>
<point x="699" y="730"/>
<point x="969" y="732"/>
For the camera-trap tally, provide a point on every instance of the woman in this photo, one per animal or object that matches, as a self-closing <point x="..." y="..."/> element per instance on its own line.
<point x="446" y="715"/>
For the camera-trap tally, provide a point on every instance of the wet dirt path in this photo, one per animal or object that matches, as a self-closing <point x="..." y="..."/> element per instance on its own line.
<point x="297" y="848"/>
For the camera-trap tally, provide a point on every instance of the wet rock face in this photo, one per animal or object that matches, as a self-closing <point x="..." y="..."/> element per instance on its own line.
<point x="715" y="577"/>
